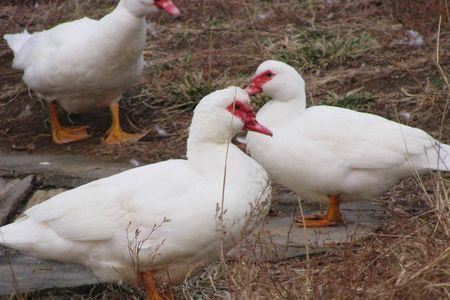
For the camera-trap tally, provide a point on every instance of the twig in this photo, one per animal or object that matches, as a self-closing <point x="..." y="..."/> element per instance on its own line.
<point x="11" y="269"/>
<point x="304" y="229"/>
<point x="222" y="203"/>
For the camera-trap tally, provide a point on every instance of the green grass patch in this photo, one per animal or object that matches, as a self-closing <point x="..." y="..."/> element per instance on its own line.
<point x="357" y="101"/>
<point x="436" y="81"/>
<point x="194" y="87"/>
<point x="312" y="50"/>
<point x="259" y="101"/>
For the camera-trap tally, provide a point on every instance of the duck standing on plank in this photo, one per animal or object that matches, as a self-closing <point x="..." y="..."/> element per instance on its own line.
<point x="161" y="221"/>
<point x="87" y="64"/>
<point x="331" y="154"/>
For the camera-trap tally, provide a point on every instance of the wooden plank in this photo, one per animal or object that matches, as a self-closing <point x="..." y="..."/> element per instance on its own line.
<point x="24" y="274"/>
<point x="14" y="197"/>
<point x="63" y="171"/>
<point x="282" y="239"/>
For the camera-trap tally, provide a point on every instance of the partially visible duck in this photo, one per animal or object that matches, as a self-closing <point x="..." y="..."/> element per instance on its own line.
<point x="332" y="154"/>
<point x="160" y="221"/>
<point x="87" y="64"/>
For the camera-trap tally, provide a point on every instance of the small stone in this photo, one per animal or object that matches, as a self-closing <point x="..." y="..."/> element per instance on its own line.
<point x="25" y="113"/>
<point x="135" y="162"/>
<point x="406" y="116"/>
<point x="263" y="16"/>
<point x="412" y="38"/>
<point x="415" y="38"/>
<point x="161" y="132"/>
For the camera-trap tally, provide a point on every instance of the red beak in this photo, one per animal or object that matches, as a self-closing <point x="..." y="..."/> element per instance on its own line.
<point x="168" y="6"/>
<point x="253" y="89"/>
<point x="248" y="117"/>
<point x="256" y="127"/>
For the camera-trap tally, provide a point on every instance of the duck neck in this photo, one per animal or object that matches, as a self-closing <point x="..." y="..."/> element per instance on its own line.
<point x="207" y="146"/>
<point x="125" y="29"/>
<point x="296" y="101"/>
<point x="277" y="111"/>
<point x="207" y="156"/>
<point x="295" y="105"/>
<point x="205" y="137"/>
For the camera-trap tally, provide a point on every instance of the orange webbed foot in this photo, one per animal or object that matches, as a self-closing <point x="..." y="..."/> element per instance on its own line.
<point x="62" y="135"/>
<point x="318" y="221"/>
<point x="333" y="217"/>
<point x="116" y="135"/>
<point x="119" y="137"/>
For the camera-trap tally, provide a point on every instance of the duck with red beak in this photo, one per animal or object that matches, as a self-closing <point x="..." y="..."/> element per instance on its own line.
<point x="87" y="64"/>
<point x="330" y="154"/>
<point x="99" y="224"/>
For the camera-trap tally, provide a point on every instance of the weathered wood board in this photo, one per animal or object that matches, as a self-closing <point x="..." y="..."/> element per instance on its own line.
<point x="23" y="274"/>
<point x="63" y="171"/>
<point x="288" y="240"/>
<point x="13" y="195"/>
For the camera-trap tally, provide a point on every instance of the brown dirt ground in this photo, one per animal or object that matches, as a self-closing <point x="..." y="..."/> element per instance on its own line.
<point x="218" y="43"/>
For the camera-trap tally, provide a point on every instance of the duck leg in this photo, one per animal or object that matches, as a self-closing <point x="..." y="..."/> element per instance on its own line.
<point x="331" y="218"/>
<point x="116" y="135"/>
<point x="62" y="135"/>
<point x="150" y="287"/>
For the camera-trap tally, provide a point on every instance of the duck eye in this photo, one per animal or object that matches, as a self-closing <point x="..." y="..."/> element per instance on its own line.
<point x="270" y="74"/>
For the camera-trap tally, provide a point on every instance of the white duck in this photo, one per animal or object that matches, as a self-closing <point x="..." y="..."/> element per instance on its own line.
<point x="87" y="64"/>
<point x="167" y="210"/>
<point x="333" y="154"/>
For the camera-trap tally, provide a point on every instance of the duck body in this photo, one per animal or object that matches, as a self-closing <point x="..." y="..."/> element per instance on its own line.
<point x="325" y="150"/>
<point x="87" y="64"/>
<point x="331" y="154"/>
<point x="95" y="224"/>
<point x="162" y="218"/>
<point x="84" y="64"/>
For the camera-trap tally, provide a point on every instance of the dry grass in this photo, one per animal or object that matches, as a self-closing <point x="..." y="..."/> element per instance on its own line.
<point x="349" y="54"/>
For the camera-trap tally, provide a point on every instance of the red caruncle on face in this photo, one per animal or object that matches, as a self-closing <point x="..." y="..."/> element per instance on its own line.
<point x="258" y="81"/>
<point x="248" y="117"/>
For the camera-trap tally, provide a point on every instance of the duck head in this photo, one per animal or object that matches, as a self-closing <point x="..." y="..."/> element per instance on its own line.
<point x="141" y="8"/>
<point x="223" y="114"/>
<point x="277" y="80"/>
